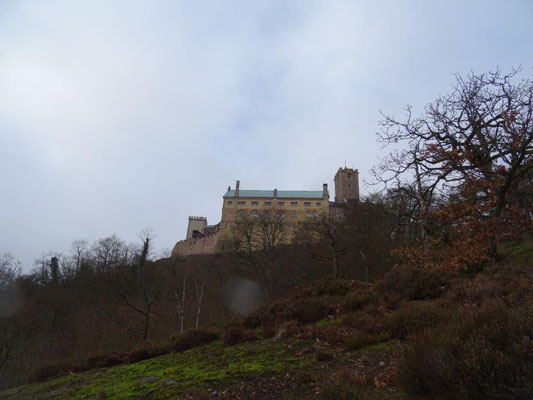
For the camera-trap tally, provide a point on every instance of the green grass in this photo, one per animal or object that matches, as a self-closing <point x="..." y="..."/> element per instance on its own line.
<point x="518" y="250"/>
<point x="166" y="376"/>
<point x="328" y="322"/>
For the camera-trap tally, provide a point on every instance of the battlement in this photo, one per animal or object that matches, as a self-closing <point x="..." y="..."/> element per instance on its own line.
<point x="195" y="218"/>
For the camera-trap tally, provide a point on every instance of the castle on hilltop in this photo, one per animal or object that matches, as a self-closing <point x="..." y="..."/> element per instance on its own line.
<point x="291" y="205"/>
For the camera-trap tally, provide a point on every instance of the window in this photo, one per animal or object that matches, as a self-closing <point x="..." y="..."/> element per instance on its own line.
<point x="255" y="203"/>
<point x="294" y="203"/>
<point x="349" y="176"/>
<point x="349" y="185"/>
<point x="241" y="213"/>
<point x="318" y="204"/>
<point x="281" y="203"/>
<point x="242" y="202"/>
<point x="268" y="203"/>
<point x="230" y="202"/>
<point x="281" y="214"/>
<point x="254" y="214"/>
<point x="307" y="203"/>
<point x="295" y="214"/>
<point x="310" y="214"/>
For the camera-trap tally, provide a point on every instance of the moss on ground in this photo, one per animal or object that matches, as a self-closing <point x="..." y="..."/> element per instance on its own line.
<point x="168" y="375"/>
<point x="328" y="322"/>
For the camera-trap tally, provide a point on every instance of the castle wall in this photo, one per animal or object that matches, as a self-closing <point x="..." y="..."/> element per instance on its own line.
<point x="205" y="245"/>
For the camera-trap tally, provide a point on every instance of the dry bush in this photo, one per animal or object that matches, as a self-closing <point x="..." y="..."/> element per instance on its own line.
<point x="328" y="334"/>
<point x="145" y="352"/>
<point x="511" y="287"/>
<point x="235" y="335"/>
<point x="328" y="287"/>
<point x="358" y="299"/>
<point x="105" y="360"/>
<point x="307" y="310"/>
<point x="287" y="329"/>
<point x="409" y="282"/>
<point x="49" y="370"/>
<point x="322" y="356"/>
<point x="190" y="339"/>
<point x="413" y="317"/>
<point x="357" y="339"/>
<point x="366" y="322"/>
<point x="484" y="355"/>
<point x="348" y="385"/>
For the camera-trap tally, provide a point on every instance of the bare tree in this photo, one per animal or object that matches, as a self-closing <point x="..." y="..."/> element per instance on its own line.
<point x="136" y="291"/>
<point x="79" y="252"/>
<point x="260" y="239"/>
<point x="324" y="238"/>
<point x="474" y="144"/>
<point x="199" y="289"/>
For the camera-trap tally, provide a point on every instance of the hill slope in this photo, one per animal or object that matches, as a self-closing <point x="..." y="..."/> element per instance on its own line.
<point x="266" y="369"/>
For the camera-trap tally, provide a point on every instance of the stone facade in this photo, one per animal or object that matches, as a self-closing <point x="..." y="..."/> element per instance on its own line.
<point x="292" y="205"/>
<point x="346" y="185"/>
<point x="196" y="227"/>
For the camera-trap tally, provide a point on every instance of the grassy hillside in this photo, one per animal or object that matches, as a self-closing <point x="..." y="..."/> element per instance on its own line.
<point x="264" y="369"/>
<point x="416" y="333"/>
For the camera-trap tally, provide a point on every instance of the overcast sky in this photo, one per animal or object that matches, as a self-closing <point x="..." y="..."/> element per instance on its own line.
<point x="118" y="115"/>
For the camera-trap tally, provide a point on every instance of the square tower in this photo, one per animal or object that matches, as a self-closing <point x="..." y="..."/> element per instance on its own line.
<point x="196" y="227"/>
<point x="346" y="185"/>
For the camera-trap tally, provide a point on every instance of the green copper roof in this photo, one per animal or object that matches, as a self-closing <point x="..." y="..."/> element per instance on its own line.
<point x="282" y="194"/>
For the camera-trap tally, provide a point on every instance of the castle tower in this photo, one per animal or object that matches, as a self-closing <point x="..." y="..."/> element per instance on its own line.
<point x="196" y="227"/>
<point x="346" y="185"/>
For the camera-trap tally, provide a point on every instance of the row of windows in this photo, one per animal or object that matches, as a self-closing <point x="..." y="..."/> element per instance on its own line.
<point x="269" y="203"/>
<point x="294" y="214"/>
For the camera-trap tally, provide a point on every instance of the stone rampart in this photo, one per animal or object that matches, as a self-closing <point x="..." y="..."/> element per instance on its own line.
<point x="205" y="245"/>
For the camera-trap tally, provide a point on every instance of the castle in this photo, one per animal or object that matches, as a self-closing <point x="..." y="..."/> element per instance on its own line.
<point x="291" y="205"/>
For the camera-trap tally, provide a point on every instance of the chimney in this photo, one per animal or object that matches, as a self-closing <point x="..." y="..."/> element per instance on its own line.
<point x="275" y="192"/>
<point x="325" y="194"/>
<point x="237" y="184"/>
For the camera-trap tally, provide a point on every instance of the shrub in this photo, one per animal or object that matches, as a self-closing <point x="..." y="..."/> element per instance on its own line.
<point x="348" y="385"/>
<point x="413" y="317"/>
<point x="358" y="339"/>
<point x="322" y="356"/>
<point x="190" y="339"/>
<point x="287" y="328"/>
<point x="331" y="287"/>
<point x="357" y="300"/>
<point x="485" y="355"/>
<point x="104" y="360"/>
<point x="415" y="283"/>
<point x="252" y="322"/>
<point x="47" y="371"/>
<point x="235" y="335"/>
<point x="329" y="334"/>
<point x="146" y="352"/>
<point x="306" y="310"/>
<point x="366" y="322"/>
